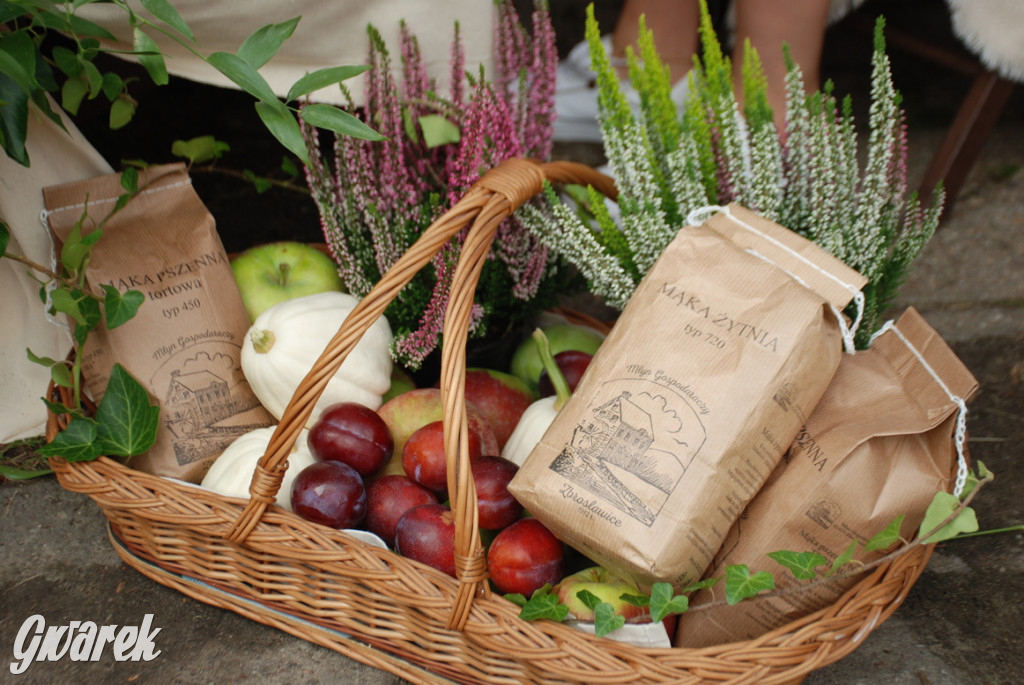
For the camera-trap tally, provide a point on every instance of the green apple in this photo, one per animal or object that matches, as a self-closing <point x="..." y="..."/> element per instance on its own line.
<point x="275" y="272"/>
<point x="401" y="382"/>
<point x="607" y="587"/>
<point x="526" y="362"/>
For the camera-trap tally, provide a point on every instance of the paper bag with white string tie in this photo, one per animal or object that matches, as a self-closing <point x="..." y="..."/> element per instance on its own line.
<point x="714" y="365"/>
<point x="887" y="435"/>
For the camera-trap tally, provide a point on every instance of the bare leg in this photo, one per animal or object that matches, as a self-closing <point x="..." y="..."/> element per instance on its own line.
<point x="673" y="24"/>
<point x="770" y="23"/>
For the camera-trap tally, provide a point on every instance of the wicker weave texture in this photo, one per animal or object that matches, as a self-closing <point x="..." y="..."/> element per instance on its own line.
<point x="394" y="613"/>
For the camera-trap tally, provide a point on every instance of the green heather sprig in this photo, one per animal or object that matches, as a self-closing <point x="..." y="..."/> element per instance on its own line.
<point x="710" y="153"/>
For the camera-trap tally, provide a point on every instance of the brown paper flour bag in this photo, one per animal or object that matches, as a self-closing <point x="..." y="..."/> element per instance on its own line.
<point x="184" y="344"/>
<point x="715" y="363"/>
<point x="880" y="444"/>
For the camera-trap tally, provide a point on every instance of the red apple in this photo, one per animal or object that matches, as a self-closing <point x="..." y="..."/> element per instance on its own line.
<point x="354" y="434"/>
<point x="606" y="586"/>
<point x="501" y="398"/>
<point x="330" y="493"/>
<point x="524" y="557"/>
<point x="496" y="507"/>
<point x="424" y="460"/>
<point x="427" y="534"/>
<point x="410" y="411"/>
<point x="387" y="500"/>
<point x="572" y="363"/>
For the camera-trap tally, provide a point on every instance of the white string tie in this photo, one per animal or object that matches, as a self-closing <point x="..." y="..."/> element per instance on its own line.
<point x="849" y="332"/>
<point x="960" y="436"/>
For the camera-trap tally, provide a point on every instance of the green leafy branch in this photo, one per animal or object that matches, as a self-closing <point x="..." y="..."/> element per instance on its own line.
<point x="203" y="152"/>
<point x="124" y="422"/>
<point x="27" y="75"/>
<point x="947" y="517"/>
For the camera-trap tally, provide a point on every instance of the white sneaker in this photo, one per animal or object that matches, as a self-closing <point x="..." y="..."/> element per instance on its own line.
<point x="576" y="95"/>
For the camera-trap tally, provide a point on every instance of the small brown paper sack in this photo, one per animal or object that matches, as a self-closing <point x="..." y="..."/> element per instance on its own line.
<point x="691" y="401"/>
<point x="184" y="344"/>
<point x="879" y="445"/>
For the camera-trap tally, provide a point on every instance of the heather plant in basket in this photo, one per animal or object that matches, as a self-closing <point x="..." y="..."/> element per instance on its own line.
<point x="376" y="198"/>
<point x="808" y="177"/>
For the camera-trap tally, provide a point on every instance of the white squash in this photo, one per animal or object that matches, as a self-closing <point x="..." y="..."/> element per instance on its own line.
<point x="231" y="473"/>
<point x="285" y="341"/>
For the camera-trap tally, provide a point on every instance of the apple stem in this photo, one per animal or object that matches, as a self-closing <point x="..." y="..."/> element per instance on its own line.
<point x="562" y="390"/>
<point x="262" y="340"/>
<point x="283" y="270"/>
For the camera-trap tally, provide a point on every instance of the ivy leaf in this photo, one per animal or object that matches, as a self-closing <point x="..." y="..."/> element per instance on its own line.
<point x="148" y="54"/>
<point x="664" y="602"/>
<point x="702" y="585"/>
<point x="113" y="85"/>
<point x="339" y="121"/>
<point x="543" y="604"/>
<point x="800" y="564"/>
<point x="886" y="538"/>
<point x="516" y="598"/>
<point x="973" y="478"/>
<point x="289" y="168"/>
<point x="843" y="559"/>
<point x="942" y="507"/>
<point x="606" y="620"/>
<point x="66" y="303"/>
<point x="126" y="421"/>
<point x="76" y="247"/>
<point x="636" y="600"/>
<point x="72" y="93"/>
<point x="120" y="308"/>
<point x="200" y="149"/>
<point x="93" y="76"/>
<point x="264" y="43"/>
<point x="59" y="371"/>
<point x="589" y="599"/>
<point x="740" y="584"/>
<point x="57" y="408"/>
<point x="260" y="183"/>
<point x="130" y="180"/>
<point x="438" y="131"/>
<point x="322" y="78"/>
<point x="121" y="112"/>
<point x="77" y="442"/>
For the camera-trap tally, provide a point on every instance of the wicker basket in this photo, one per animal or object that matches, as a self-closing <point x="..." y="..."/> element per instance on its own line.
<point x="396" y="614"/>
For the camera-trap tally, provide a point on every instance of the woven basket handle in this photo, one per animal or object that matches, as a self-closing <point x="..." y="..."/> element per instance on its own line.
<point x="485" y="205"/>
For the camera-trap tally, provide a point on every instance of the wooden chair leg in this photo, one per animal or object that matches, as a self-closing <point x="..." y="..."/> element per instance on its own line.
<point x="978" y="114"/>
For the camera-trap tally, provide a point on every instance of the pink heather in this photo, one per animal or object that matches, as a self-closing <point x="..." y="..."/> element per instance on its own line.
<point x="380" y="187"/>
<point x="458" y="68"/>
<point x="419" y="343"/>
<point x="539" y="111"/>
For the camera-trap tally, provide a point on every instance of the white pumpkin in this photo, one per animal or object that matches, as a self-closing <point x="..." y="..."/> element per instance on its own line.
<point x="231" y="473"/>
<point x="285" y="341"/>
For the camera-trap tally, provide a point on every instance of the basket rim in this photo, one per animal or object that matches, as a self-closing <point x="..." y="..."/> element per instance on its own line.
<point x="827" y="634"/>
<point x="793" y="649"/>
